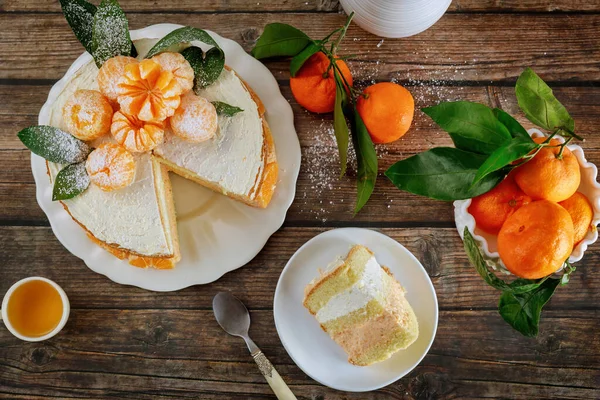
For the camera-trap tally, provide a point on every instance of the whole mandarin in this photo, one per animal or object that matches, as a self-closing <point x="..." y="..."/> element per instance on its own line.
<point x="110" y="167"/>
<point x="87" y="114"/>
<point x="136" y="135"/>
<point x="387" y="110"/>
<point x="195" y="120"/>
<point x="580" y="209"/>
<point x="548" y="177"/>
<point x="536" y="239"/>
<point x="110" y="74"/>
<point x="314" y="85"/>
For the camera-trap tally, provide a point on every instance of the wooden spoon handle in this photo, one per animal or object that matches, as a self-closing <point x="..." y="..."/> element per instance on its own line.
<point x="281" y="390"/>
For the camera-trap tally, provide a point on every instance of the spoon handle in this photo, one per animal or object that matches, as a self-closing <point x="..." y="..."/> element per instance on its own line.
<point x="281" y="390"/>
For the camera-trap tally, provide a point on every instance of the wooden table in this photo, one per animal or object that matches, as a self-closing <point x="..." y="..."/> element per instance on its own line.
<point x="126" y="342"/>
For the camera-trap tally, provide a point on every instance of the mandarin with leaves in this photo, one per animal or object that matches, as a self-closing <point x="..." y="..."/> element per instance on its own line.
<point x="110" y="75"/>
<point x="148" y="92"/>
<point x="87" y="114"/>
<point x="549" y="175"/>
<point x="491" y="209"/>
<point x="110" y="167"/>
<point x="314" y="85"/>
<point x="580" y="209"/>
<point x="136" y="135"/>
<point x="536" y="240"/>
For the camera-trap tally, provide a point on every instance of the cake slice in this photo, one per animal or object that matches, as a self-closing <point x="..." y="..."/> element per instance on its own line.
<point x="363" y="308"/>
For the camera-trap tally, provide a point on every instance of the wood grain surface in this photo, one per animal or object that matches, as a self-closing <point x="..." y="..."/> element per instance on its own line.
<point x="125" y="342"/>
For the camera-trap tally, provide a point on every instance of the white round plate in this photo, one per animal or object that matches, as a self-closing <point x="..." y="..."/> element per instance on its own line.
<point x="312" y="349"/>
<point x="217" y="234"/>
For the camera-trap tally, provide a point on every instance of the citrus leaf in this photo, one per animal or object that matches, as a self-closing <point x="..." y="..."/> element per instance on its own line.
<point x="504" y="155"/>
<point x="522" y="311"/>
<point x="472" y="126"/>
<point x="537" y="101"/>
<point x="110" y="36"/>
<point x="70" y="181"/>
<point x="226" y="109"/>
<point x="300" y="58"/>
<point x="207" y="66"/>
<point x="186" y="34"/>
<point x="80" y="16"/>
<point x="54" y="145"/>
<point x="340" y="126"/>
<point x="514" y="127"/>
<point x="443" y="173"/>
<point x="366" y="174"/>
<point x="280" y="40"/>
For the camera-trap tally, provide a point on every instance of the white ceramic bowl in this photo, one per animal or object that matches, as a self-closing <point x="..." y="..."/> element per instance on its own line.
<point x="396" y="18"/>
<point x="588" y="186"/>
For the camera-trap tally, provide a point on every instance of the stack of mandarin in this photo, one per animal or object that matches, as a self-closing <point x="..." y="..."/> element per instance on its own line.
<point x="537" y="212"/>
<point x="137" y="100"/>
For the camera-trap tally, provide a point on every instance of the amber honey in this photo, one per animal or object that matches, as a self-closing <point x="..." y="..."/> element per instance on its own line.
<point x="35" y="308"/>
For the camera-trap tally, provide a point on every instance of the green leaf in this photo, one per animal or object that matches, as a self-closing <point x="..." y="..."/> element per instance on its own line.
<point x="300" y="58"/>
<point x="367" y="161"/>
<point x="110" y="36"/>
<point x="340" y="126"/>
<point x="522" y="311"/>
<point x="186" y="34"/>
<point x="443" y="173"/>
<point x="54" y="145"/>
<point x="207" y="66"/>
<point x="226" y="109"/>
<point x="504" y="155"/>
<point x="80" y="16"/>
<point x="539" y="104"/>
<point x="514" y="127"/>
<point x="70" y="181"/>
<point x="280" y="40"/>
<point x="472" y="126"/>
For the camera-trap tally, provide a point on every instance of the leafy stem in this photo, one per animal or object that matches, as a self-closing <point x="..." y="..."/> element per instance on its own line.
<point x="562" y="148"/>
<point x="342" y="33"/>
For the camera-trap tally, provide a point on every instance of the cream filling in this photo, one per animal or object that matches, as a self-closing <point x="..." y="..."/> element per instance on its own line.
<point x="369" y="287"/>
<point x="233" y="159"/>
<point x="129" y="217"/>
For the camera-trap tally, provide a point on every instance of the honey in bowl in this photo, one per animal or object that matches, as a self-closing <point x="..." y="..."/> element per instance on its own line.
<point x="35" y="308"/>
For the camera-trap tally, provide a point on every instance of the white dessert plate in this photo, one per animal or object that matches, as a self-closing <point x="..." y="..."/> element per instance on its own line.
<point x="312" y="349"/>
<point x="217" y="234"/>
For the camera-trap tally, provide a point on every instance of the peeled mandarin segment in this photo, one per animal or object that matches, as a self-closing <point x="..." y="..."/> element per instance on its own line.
<point x="195" y="120"/>
<point x="148" y="92"/>
<point x="536" y="240"/>
<point x="179" y="67"/>
<point x="110" y="74"/>
<point x="491" y="209"/>
<point x="547" y="177"/>
<point x="87" y="114"/>
<point x="136" y="135"/>
<point x="110" y="167"/>
<point x="580" y="209"/>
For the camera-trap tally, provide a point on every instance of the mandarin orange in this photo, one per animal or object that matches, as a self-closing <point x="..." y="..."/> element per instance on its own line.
<point x="87" y="114"/>
<point x="195" y="120"/>
<point x="387" y="110"/>
<point x="148" y="92"/>
<point x="136" y="135"/>
<point x="536" y="240"/>
<point x="179" y="67"/>
<point x="110" y="167"/>
<point x="580" y="209"/>
<point x="110" y="74"/>
<point x="548" y="177"/>
<point x="491" y="209"/>
<point x="313" y="86"/>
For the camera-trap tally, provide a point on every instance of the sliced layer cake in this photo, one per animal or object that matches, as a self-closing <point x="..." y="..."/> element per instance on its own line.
<point x="363" y="308"/>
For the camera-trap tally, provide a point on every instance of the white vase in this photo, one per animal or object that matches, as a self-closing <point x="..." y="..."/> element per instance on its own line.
<point x="396" y="18"/>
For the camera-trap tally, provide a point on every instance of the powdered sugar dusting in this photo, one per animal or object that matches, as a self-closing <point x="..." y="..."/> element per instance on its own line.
<point x="56" y="145"/>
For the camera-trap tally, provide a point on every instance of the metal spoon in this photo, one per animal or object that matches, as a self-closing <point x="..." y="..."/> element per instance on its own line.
<point x="234" y="318"/>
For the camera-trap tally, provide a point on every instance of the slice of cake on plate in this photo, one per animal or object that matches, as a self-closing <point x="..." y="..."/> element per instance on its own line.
<point x="363" y="308"/>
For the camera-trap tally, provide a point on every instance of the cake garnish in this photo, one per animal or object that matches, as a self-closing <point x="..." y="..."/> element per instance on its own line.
<point x="136" y="135"/>
<point x="195" y="120"/>
<point x="70" y="181"/>
<point x="110" y="167"/>
<point x="110" y="74"/>
<point x="179" y="67"/>
<point x="54" y="145"/>
<point x="226" y="109"/>
<point x="87" y="114"/>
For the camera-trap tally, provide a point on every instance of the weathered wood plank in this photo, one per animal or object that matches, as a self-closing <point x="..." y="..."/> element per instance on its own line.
<point x="321" y="196"/>
<point x="30" y="251"/>
<point x="190" y="6"/>
<point x="472" y="47"/>
<point x="184" y="353"/>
